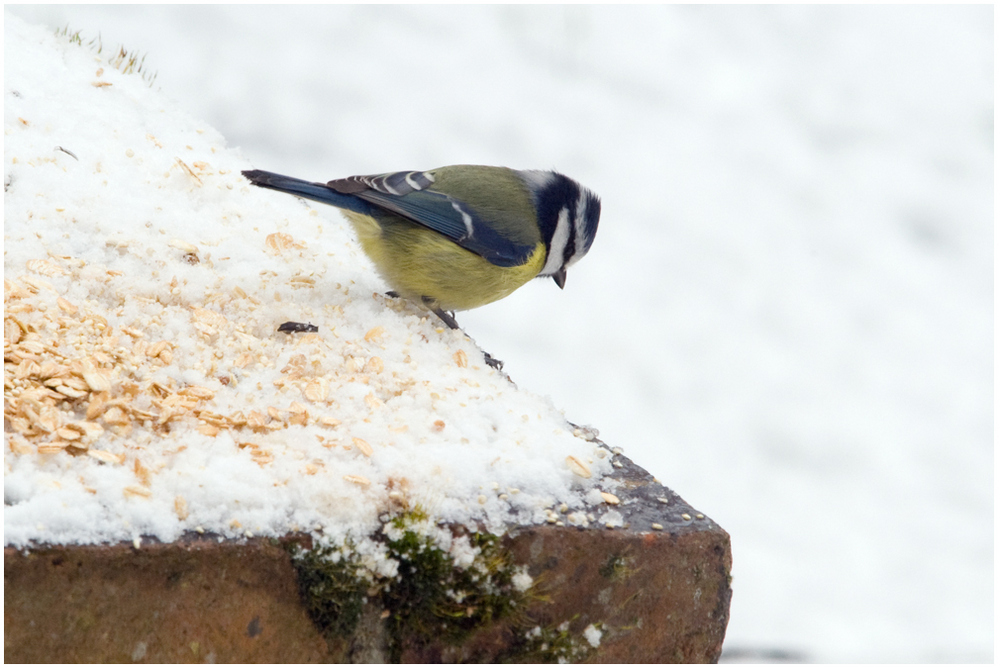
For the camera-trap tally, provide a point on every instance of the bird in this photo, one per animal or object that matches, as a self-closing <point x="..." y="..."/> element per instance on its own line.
<point x="459" y="237"/>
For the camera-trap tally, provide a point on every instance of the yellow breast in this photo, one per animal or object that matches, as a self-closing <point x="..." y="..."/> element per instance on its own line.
<point x="419" y="263"/>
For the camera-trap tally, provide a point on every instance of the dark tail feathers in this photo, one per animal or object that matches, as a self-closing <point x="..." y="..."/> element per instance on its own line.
<point x="318" y="192"/>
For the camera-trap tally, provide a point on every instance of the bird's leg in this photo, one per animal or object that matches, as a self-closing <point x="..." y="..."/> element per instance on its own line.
<point x="449" y="319"/>
<point x="434" y="307"/>
<point x="493" y="361"/>
<point x="446" y="317"/>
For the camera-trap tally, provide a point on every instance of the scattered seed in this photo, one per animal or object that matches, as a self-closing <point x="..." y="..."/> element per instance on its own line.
<point x="358" y="480"/>
<point x="70" y="392"/>
<point x="96" y="407"/>
<point x="33" y="347"/>
<point x="279" y="241"/>
<point x="67" y="306"/>
<point x="106" y="457"/>
<point x="374" y="365"/>
<point x="610" y="498"/>
<point x="12" y="330"/>
<point x="96" y="379"/>
<point x="20" y="446"/>
<point x="37" y="284"/>
<point x="208" y="429"/>
<point x="182" y="246"/>
<point x="298" y="414"/>
<point x="138" y="490"/>
<point x="90" y="430"/>
<point x="115" y="415"/>
<point x="363" y="446"/>
<point x="157" y="348"/>
<point x="317" y="390"/>
<point x="256" y="421"/>
<point x="578" y="467"/>
<point x="45" y="268"/>
<point x="180" y="508"/>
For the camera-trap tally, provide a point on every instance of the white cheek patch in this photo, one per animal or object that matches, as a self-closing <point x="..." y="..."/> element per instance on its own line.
<point x="580" y="225"/>
<point x="557" y="248"/>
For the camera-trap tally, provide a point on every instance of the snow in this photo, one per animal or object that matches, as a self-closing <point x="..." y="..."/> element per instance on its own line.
<point x="522" y="581"/>
<point x="593" y="635"/>
<point x="152" y="228"/>
<point x="786" y="315"/>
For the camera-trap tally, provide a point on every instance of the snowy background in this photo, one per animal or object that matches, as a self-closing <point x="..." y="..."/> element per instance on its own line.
<point x="787" y="315"/>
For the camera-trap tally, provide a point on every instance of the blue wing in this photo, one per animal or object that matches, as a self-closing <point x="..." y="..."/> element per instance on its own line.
<point x="404" y="194"/>
<point x="456" y="221"/>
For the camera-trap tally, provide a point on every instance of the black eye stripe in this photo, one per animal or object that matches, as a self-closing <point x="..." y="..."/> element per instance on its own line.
<point x="560" y="193"/>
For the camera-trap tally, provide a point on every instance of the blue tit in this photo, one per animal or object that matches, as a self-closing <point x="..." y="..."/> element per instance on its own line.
<point x="459" y="237"/>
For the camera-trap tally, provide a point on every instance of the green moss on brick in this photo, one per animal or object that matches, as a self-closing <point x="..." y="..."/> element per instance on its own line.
<point x="434" y="600"/>
<point x="550" y="644"/>
<point x="332" y="588"/>
<point x="430" y="601"/>
<point x="617" y="567"/>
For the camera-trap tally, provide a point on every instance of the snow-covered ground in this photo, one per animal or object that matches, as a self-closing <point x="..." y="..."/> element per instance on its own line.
<point x="146" y="391"/>
<point x="787" y="314"/>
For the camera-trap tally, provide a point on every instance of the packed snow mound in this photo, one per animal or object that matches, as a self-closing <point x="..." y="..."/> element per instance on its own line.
<point x="147" y="389"/>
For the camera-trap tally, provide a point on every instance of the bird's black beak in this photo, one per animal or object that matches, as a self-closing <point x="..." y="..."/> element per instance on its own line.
<point x="560" y="278"/>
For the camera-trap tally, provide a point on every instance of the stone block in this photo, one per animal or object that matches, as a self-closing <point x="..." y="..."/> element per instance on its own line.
<point x="631" y="593"/>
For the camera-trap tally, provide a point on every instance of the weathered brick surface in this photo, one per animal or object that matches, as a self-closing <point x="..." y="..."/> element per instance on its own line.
<point x="194" y="600"/>
<point x="658" y="596"/>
